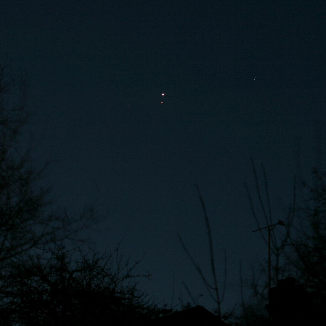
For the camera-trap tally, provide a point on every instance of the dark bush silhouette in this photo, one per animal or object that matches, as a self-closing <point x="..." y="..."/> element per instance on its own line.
<point x="69" y="287"/>
<point x="291" y="304"/>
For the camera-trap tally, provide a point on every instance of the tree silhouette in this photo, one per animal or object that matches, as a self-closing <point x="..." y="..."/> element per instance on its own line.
<point x="307" y="243"/>
<point x="74" y="287"/>
<point x="44" y="279"/>
<point x="26" y="221"/>
<point x="266" y="221"/>
<point x="300" y="252"/>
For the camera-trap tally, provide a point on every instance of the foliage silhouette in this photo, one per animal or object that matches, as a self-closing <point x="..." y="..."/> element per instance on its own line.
<point x="299" y="252"/>
<point x="26" y="219"/>
<point x="72" y="287"/>
<point x="45" y="279"/>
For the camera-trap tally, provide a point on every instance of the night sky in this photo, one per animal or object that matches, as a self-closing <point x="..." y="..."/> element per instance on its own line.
<point x="241" y="79"/>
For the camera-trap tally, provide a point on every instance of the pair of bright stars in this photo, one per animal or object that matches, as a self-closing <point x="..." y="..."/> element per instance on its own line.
<point x="163" y="94"/>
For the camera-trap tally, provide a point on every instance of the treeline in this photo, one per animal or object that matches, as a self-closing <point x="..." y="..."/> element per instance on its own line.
<point x="48" y="275"/>
<point x="293" y="289"/>
<point x="290" y="285"/>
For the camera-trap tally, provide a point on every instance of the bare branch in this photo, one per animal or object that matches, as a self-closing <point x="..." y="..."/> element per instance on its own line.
<point x="197" y="267"/>
<point x="210" y="241"/>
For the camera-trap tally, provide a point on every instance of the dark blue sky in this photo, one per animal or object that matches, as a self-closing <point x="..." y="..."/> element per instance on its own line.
<point x="242" y="79"/>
